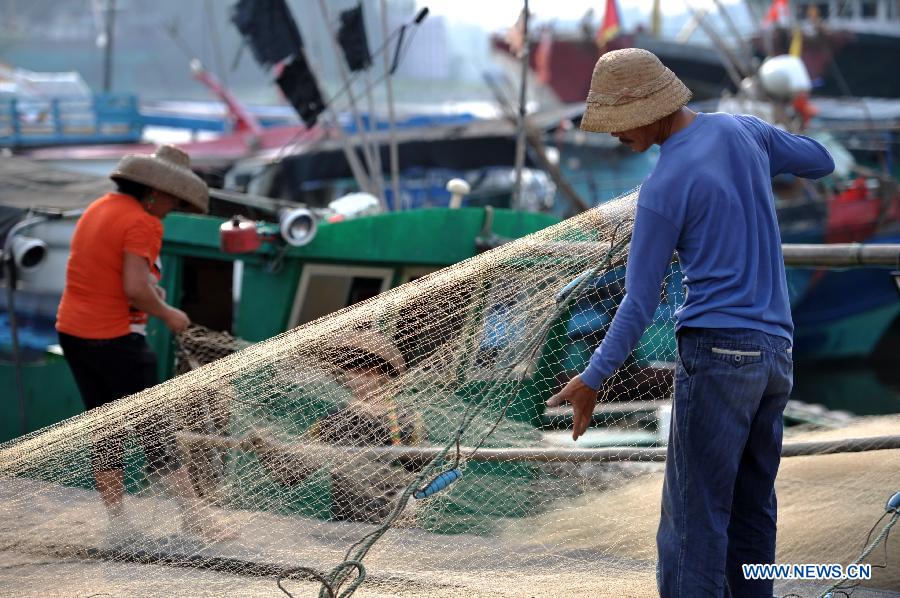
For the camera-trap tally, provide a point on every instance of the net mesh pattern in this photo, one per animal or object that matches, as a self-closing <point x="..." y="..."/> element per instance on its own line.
<point x="289" y="457"/>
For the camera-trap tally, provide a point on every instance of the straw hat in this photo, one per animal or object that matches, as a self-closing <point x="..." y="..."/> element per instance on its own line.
<point x="368" y="348"/>
<point x="168" y="170"/>
<point x="631" y="88"/>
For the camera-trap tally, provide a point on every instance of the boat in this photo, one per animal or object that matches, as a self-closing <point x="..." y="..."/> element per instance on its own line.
<point x="41" y="109"/>
<point x="432" y="150"/>
<point x="847" y="46"/>
<point x="215" y="135"/>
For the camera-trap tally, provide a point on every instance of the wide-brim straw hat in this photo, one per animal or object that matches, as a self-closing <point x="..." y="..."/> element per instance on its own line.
<point x="365" y="348"/>
<point x="631" y="88"/>
<point x="167" y="170"/>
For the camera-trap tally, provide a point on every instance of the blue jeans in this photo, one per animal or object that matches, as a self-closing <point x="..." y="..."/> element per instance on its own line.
<point x="718" y="502"/>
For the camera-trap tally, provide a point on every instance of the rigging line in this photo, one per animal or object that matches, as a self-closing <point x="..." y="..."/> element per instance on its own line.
<point x="401" y="53"/>
<point x="218" y="57"/>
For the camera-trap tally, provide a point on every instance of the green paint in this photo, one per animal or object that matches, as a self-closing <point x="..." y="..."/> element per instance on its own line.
<point x="266" y="299"/>
<point x="436" y="236"/>
<point x="50" y="395"/>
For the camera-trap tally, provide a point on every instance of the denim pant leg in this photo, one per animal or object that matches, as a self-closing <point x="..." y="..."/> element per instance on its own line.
<point x="721" y="378"/>
<point x="751" y="533"/>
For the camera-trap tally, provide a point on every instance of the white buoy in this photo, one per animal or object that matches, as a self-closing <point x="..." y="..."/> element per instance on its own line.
<point x="784" y="76"/>
<point x="458" y="188"/>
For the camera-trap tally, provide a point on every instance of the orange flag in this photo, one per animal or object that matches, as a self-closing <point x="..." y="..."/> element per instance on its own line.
<point x="609" y="28"/>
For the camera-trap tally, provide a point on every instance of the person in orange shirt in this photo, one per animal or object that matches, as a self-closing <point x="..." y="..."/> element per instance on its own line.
<point x="111" y="281"/>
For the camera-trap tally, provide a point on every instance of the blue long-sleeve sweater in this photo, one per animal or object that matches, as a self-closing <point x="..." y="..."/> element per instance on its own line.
<point x="710" y="198"/>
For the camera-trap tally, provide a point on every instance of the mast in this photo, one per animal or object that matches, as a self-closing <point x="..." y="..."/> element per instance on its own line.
<point x="523" y="91"/>
<point x="108" y="50"/>
<point x="746" y="53"/>
<point x="376" y="178"/>
<point x="394" y="152"/>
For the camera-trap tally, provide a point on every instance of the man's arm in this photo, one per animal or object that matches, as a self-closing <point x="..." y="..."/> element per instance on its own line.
<point x="142" y="295"/>
<point x="792" y="154"/>
<point x="798" y="155"/>
<point x="652" y="244"/>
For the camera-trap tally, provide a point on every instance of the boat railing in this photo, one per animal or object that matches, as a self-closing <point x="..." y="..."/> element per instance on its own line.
<point x="69" y="120"/>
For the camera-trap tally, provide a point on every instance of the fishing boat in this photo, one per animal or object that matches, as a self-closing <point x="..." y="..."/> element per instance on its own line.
<point x="41" y="109"/>
<point x="846" y="46"/>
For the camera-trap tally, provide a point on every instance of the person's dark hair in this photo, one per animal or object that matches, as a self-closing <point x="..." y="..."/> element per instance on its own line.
<point x="350" y="359"/>
<point x="136" y="190"/>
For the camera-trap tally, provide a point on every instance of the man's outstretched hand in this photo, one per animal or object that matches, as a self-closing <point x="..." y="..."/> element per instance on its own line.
<point x="583" y="399"/>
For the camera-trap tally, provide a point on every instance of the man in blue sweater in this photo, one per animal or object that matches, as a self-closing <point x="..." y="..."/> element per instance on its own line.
<point x="709" y="198"/>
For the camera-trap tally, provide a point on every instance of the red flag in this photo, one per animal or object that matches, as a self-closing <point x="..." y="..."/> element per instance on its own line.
<point x="542" y="55"/>
<point x="778" y="12"/>
<point x="609" y="28"/>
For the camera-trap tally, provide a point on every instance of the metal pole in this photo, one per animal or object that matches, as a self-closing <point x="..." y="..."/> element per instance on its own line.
<point x="841" y="254"/>
<point x="10" y="269"/>
<point x="7" y="262"/>
<point x="729" y="61"/>
<point x="520" y="138"/>
<point x="394" y="152"/>
<point x="835" y="255"/>
<point x="533" y="136"/>
<point x="108" y="51"/>
<point x="747" y="53"/>
<point x="361" y="130"/>
<point x="535" y="454"/>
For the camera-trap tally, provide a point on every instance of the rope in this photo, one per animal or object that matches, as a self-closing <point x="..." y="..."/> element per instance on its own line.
<point x="885" y="531"/>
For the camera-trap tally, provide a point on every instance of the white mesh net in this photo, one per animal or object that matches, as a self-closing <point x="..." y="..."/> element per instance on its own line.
<point x="287" y="458"/>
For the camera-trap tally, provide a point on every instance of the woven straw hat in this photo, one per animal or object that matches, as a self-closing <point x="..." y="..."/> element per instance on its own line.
<point x="631" y="88"/>
<point x="168" y="170"/>
<point x="368" y="348"/>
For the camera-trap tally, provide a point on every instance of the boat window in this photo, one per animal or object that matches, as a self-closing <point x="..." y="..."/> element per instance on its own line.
<point x="207" y="292"/>
<point x="845" y="8"/>
<point x="812" y="10"/>
<point x="819" y="10"/>
<point x="869" y="9"/>
<point x="414" y="272"/>
<point x="324" y="289"/>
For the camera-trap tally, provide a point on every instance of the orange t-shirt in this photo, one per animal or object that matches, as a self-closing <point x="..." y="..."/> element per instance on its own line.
<point x="94" y="304"/>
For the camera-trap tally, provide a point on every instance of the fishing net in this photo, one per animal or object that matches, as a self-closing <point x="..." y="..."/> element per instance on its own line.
<point x="313" y="462"/>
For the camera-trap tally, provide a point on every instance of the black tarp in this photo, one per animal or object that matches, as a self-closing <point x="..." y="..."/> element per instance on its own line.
<point x="353" y="41"/>
<point x="299" y="86"/>
<point x="268" y="28"/>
